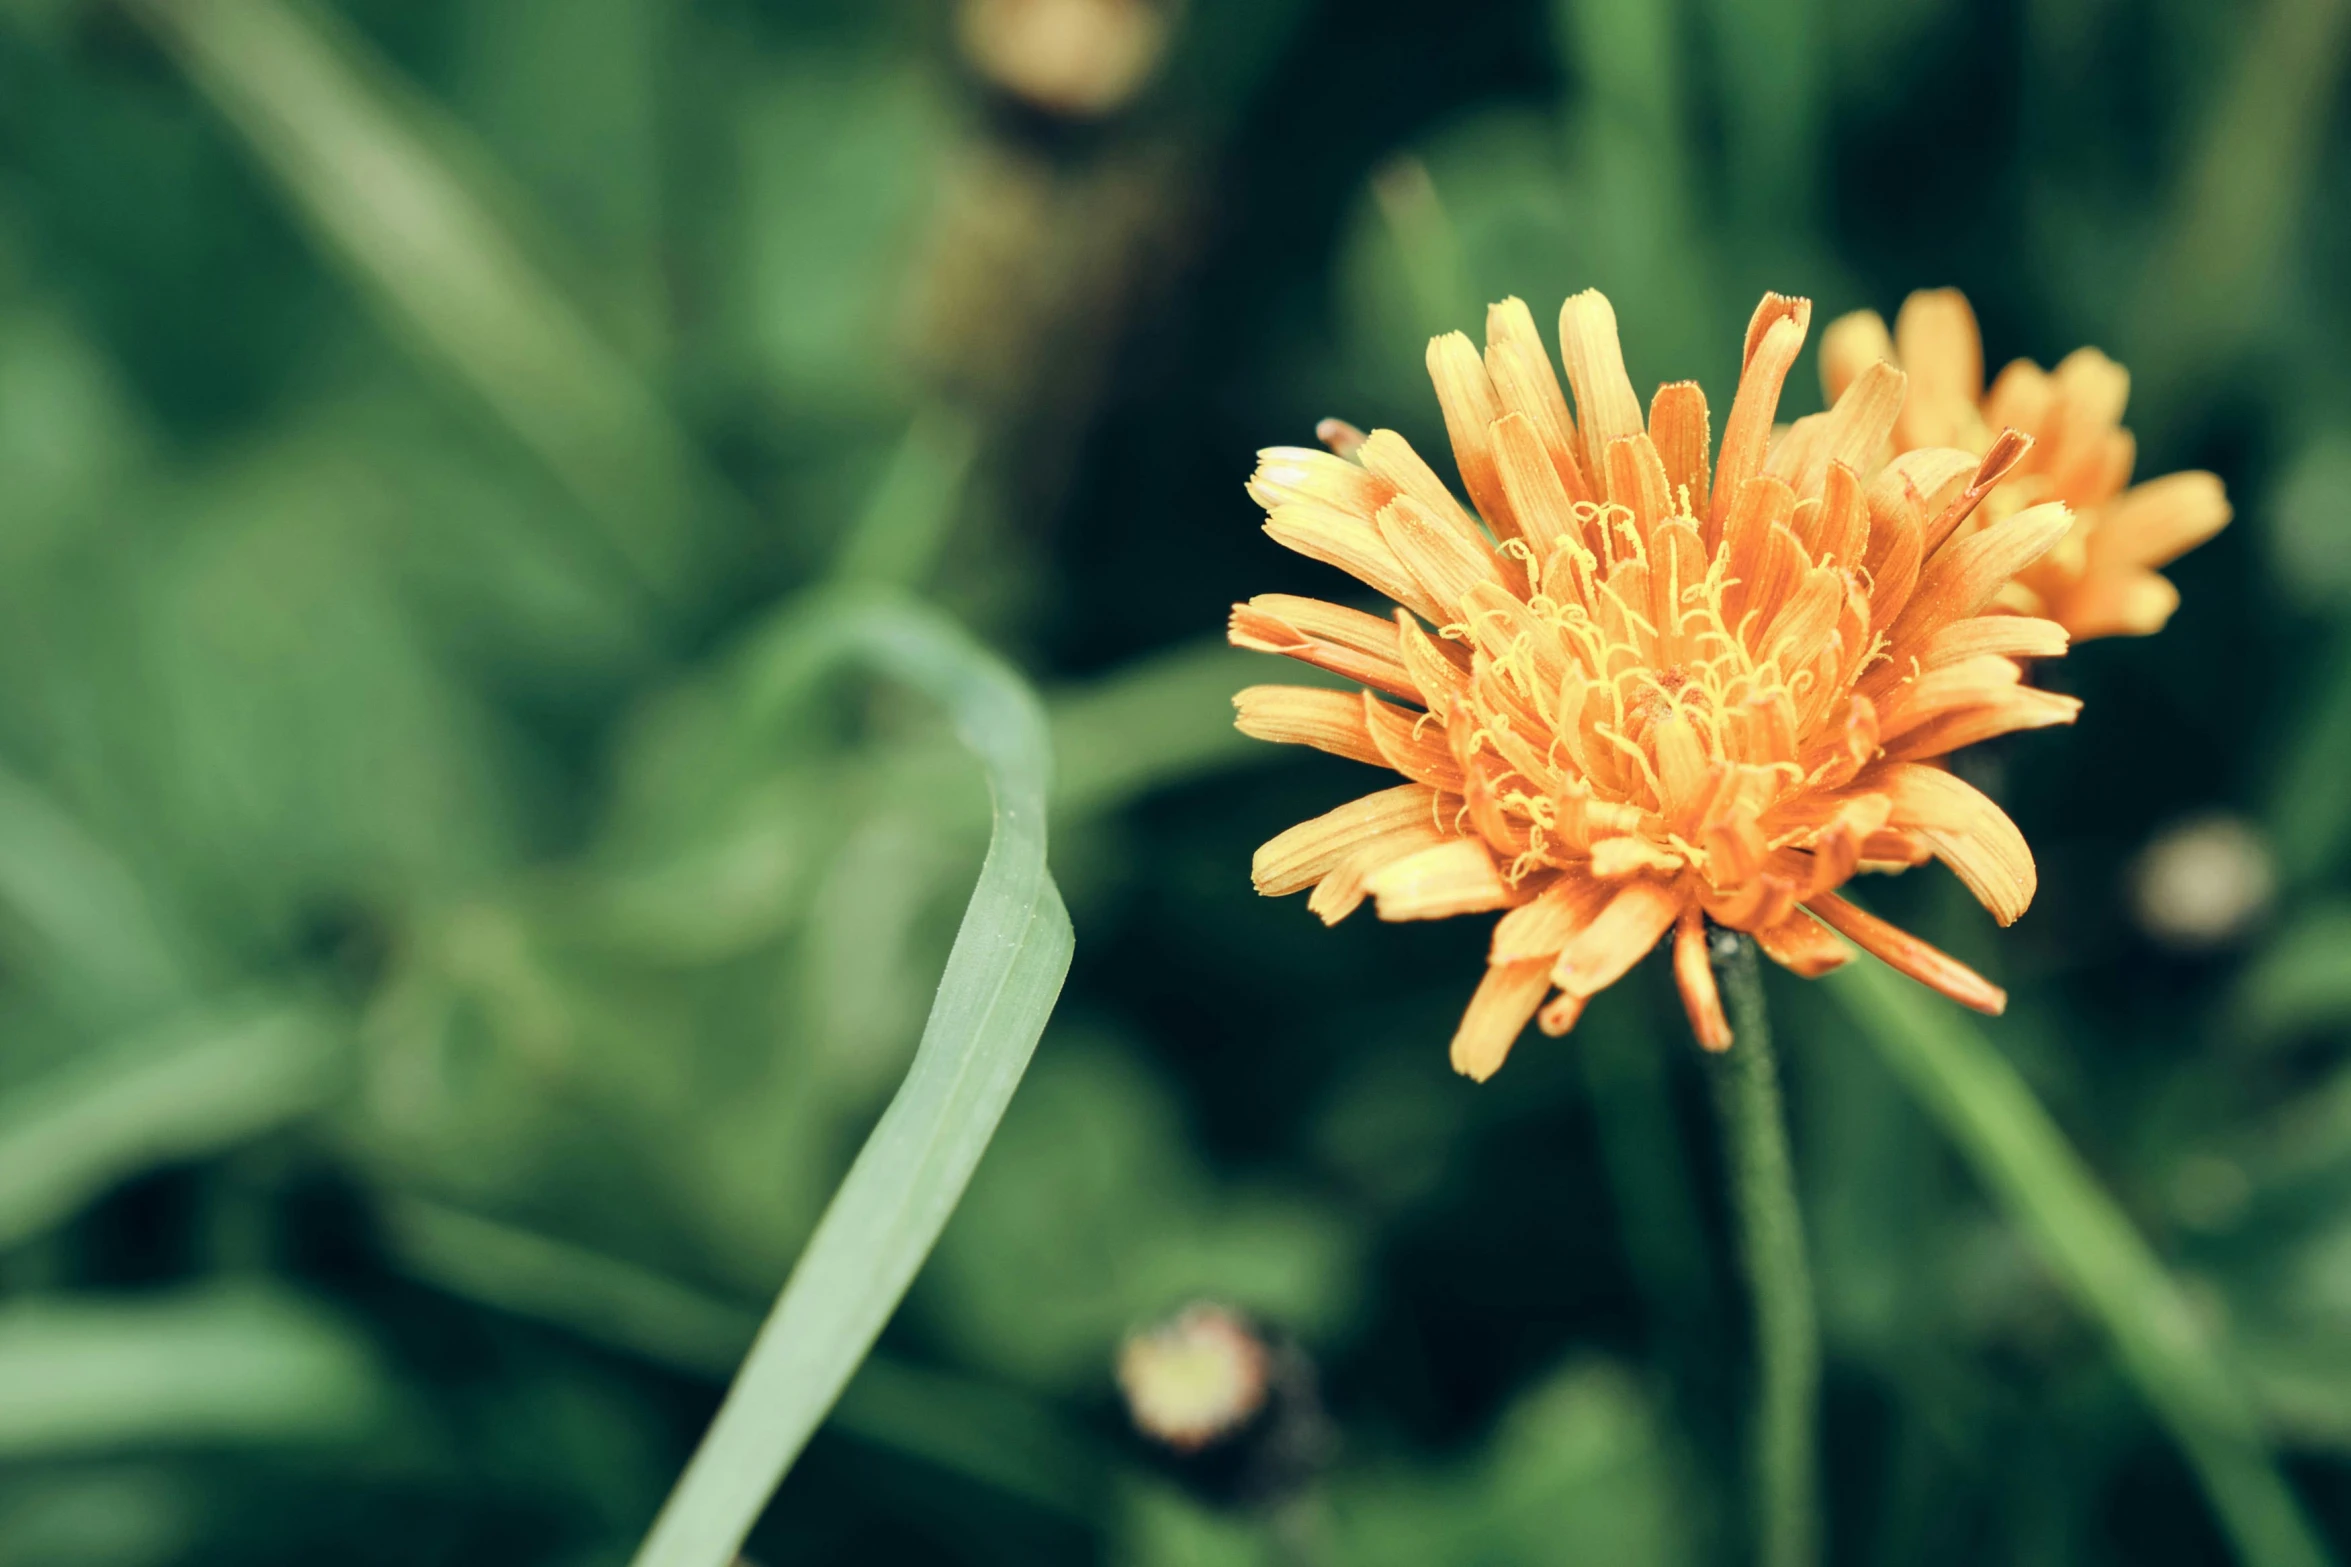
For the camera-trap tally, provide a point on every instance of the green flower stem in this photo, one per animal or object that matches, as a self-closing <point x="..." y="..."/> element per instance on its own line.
<point x="1771" y="1244"/>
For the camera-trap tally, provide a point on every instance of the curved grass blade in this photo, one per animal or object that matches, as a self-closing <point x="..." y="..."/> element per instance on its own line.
<point x="385" y="185"/>
<point x="211" y="1079"/>
<point x="1002" y="977"/>
<point x="2043" y="1185"/>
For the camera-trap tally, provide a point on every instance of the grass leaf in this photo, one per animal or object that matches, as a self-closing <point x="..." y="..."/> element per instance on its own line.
<point x="2046" y="1189"/>
<point x="200" y="1083"/>
<point x="366" y="165"/>
<point x="1002" y="977"/>
<point x="95" y="940"/>
<point x="210" y="1366"/>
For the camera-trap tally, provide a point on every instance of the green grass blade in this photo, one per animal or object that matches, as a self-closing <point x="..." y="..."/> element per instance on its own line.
<point x="1002" y="977"/>
<point x="98" y="943"/>
<point x="361" y="161"/>
<point x="196" y="1085"/>
<point x="2046" y="1189"/>
<point x="896" y="539"/>
<point x="2248" y="182"/>
<point x="601" y="1298"/>
<point x="1164" y="719"/>
<point x="966" y="1427"/>
<point x="202" y="1367"/>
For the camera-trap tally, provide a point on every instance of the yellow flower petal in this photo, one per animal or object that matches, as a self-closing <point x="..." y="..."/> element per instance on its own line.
<point x="1506" y="999"/>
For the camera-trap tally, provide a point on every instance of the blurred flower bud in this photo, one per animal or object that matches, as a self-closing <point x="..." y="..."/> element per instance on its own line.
<point x="1080" y="58"/>
<point x="2202" y="883"/>
<point x="1231" y="1411"/>
<point x="1195" y="1379"/>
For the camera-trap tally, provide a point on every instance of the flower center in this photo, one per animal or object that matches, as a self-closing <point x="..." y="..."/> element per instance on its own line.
<point x="1649" y="687"/>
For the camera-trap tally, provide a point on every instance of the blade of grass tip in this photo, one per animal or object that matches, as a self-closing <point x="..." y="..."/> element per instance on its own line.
<point x="197" y="1085"/>
<point x="2050" y="1194"/>
<point x="1002" y="977"/>
<point x="1630" y="155"/>
<point x="356" y="154"/>
<point x="1771" y="1244"/>
<point x="1771" y="80"/>
<point x="1426" y="245"/>
<point x="896" y="539"/>
<point x="2241" y="191"/>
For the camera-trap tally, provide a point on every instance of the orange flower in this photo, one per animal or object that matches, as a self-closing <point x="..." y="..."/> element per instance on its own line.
<point x="1638" y="700"/>
<point x="2100" y="580"/>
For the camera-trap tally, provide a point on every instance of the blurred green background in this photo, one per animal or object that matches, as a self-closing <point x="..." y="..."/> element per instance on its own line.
<point x="439" y="985"/>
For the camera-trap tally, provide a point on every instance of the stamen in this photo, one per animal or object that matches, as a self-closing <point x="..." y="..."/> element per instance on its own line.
<point x="1648" y="772"/>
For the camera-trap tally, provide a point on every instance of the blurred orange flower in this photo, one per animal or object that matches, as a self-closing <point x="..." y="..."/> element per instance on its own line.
<point x="1640" y="696"/>
<point x="2100" y="580"/>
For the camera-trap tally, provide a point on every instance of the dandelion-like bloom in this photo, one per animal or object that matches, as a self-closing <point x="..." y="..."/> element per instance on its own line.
<point x="2100" y="580"/>
<point x="1640" y="697"/>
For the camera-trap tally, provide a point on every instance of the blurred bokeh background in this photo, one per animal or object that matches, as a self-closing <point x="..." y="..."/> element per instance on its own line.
<point x="439" y="987"/>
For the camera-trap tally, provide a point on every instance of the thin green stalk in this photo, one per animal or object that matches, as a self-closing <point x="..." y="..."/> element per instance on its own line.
<point x="896" y="539"/>
<point x="984" y="1433"/>
<point x="363" y="161"/>
<point x="2051" y="1195"/>
<point x="1771" y="1245"/>
<point x="2248" y="181"/>
<point x="1002" y="978"/>
<point x="1426" y="245"/>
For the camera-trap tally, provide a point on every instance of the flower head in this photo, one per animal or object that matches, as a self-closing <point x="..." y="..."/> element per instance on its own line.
<point x="1196" y="1379"/>
<point x="2100" y="580"/>
<point x="1080" y="58"/>
<point x="1643" y="689"/>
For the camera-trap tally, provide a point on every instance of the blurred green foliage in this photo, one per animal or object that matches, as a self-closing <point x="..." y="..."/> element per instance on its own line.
<point x="445" y="970"/>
